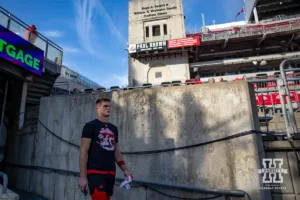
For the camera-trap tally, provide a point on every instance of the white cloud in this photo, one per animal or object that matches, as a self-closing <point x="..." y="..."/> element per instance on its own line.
<point x="83" y="22"/>
<point x="53" y="33"/>
<point x="86" y="10"/>
<point x="113" y="28"/>
<point x="68" y="49"/>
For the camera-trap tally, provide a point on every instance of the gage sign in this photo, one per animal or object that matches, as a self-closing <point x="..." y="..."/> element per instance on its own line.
<point x="19" y="51"/>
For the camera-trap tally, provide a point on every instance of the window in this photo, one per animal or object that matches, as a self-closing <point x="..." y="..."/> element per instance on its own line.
<point x="156" y="30"/>
<point x="158" y="74"/>
<point x="165" y="29"/>
<point x="147" y="31"/>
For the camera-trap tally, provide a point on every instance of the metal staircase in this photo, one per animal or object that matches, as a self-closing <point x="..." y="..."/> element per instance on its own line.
<point x="39" y="87"/>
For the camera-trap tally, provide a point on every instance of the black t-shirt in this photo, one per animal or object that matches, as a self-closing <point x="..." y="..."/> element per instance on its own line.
<point x="101" y="156"/>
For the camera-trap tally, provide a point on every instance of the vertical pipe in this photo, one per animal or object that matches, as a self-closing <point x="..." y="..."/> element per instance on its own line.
<point x="46" y="50"/>
<point x="290" y="107"/>
<point x="255" y="15"/>
<point x="3" y="106"/>
<point x="9" y="21"/>
<point x="273" y="111"/>
<point x="284" y="114"/>
<point x="264" y="109"/>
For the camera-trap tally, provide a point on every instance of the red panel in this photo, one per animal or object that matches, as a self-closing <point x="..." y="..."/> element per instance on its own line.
<point x="184" y="42"/>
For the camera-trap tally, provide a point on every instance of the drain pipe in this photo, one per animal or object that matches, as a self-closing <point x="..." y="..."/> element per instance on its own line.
<point x="5" y="182"/>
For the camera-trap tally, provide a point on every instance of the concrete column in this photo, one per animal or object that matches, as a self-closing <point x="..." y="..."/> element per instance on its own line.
<point x="23" y="104"/>
<point x="255" y="15"/>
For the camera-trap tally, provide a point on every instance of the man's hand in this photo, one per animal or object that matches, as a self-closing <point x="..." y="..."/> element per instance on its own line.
<point x="83" y="182"/>
<point x="127" y="174"/>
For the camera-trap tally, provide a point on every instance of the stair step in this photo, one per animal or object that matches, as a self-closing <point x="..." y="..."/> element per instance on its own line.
<point x="44" y="81"/>
<point x="37" y="90"/>
<point x="33" y="94"/>
<point x="39" y="86"/>
<point x="32" y="100"/>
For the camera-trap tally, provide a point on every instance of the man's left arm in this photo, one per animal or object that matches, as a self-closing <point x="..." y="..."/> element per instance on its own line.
<point x="120" y="161"/>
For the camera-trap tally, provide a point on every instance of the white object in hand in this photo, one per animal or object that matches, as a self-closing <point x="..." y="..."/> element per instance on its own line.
<point x="126" y="183"/>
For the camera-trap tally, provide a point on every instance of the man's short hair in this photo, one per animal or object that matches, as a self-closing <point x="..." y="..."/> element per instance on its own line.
<point x="99" y="101"/>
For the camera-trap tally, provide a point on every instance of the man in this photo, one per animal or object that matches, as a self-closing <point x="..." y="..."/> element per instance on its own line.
<point x="31" y="34"/>
<point x="99" y="151"/>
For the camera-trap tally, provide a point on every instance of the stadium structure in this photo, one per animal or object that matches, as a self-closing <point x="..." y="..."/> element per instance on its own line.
<point x="71" y="81"/>
<point x="163" y="52"/>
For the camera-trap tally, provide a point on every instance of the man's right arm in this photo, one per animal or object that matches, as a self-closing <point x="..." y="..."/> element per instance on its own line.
<point x="86" y="138"/>
<point x="83" y="157"/>
<point x="84" y="149"/>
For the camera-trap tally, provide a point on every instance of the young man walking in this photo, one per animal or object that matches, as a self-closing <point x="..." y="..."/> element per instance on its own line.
<point x="99" y="151"/>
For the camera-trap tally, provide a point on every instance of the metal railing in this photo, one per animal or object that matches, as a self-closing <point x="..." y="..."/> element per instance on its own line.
<point x="250" y="30"/>
<point x="52" y="51"/>
<point x="280" y="97"/>
<point x="58" y="90"/>
<point x="280" y="18"/>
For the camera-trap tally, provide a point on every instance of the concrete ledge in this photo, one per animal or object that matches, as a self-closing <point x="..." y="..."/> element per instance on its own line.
<point x="9" y="196"/>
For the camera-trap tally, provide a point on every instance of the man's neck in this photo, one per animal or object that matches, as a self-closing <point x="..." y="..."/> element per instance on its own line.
<point x="103" y="119"/>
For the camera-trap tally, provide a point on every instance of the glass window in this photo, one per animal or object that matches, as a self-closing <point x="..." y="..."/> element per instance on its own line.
<point x="147" y="31"/>
<point x="158" y="74"/>
<point x="156" y="30"/>
<point x="165" y="29"/>
<point x="3" y="20"/>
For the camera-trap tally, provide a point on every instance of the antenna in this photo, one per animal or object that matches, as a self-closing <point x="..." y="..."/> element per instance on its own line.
<point x="203" y="20"/>
<point x="214" y="22"/>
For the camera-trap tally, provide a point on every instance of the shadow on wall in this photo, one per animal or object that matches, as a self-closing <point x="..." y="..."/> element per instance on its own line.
<point x="152" y="119"/>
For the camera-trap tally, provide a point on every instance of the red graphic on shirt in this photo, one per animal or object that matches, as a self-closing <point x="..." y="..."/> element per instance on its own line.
<point x="106" y="139"/>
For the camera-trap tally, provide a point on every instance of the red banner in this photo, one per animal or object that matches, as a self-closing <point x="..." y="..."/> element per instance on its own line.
<point x="184" y="42"/>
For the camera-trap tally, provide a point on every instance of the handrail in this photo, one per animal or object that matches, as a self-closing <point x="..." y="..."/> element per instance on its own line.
<point x="55" y="58"/>
<point x="284" y="90"/>
<point x="5" y="182"/>
<point x="24" y="25"/>
<point x="231" y="193"/>
<point x="204" y="190"/>
<point x="248" y="30"/>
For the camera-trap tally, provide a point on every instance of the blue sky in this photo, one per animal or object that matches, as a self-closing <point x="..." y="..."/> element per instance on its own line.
<point x="93" y="33"/>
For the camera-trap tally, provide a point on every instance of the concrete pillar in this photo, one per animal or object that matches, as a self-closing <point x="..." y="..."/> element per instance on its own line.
<point x="255" y="15"/>
<point x="23" y="104"/>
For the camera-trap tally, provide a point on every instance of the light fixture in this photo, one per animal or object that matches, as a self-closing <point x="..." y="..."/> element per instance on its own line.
<point x="263" y="62"/>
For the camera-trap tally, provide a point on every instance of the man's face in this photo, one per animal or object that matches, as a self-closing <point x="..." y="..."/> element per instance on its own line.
<point x="103" y="109"/>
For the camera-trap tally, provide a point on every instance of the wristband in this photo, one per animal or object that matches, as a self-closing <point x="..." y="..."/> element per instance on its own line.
<point x="120" y="163"/>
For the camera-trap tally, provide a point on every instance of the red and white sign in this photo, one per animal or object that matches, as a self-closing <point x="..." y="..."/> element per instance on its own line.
<point x="184" y="42"/>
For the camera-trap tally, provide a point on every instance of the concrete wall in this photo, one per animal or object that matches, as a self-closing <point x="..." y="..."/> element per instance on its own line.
<point x="151" y="119"/>
<point x="172" y="68"/>
<point x="144" y="14"/>
<point x="173" y="18"/>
